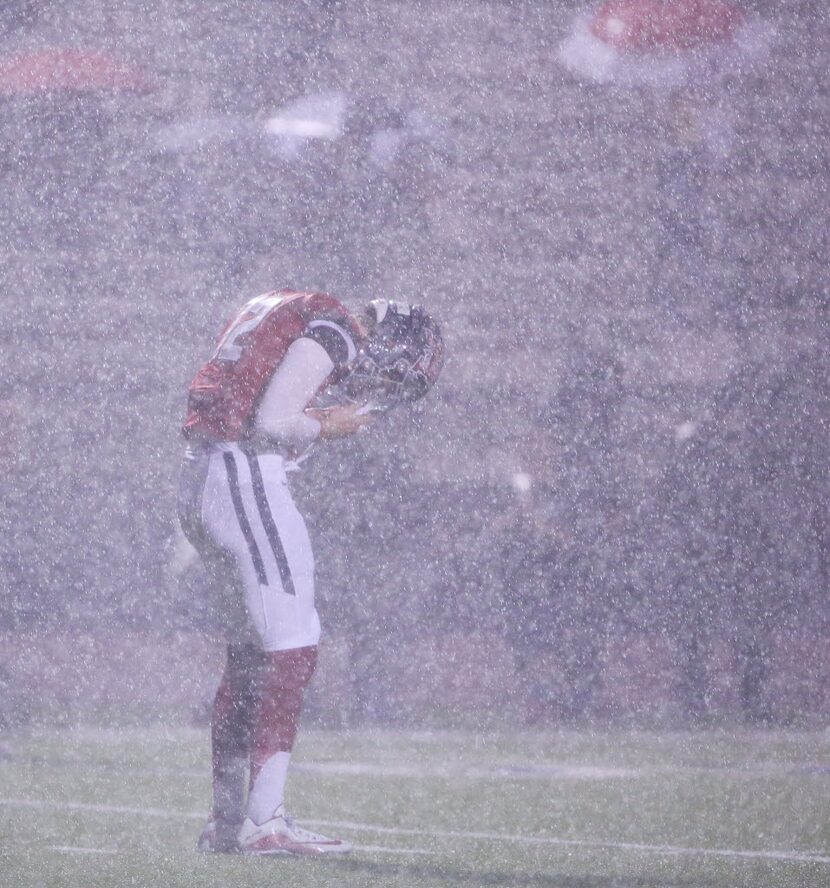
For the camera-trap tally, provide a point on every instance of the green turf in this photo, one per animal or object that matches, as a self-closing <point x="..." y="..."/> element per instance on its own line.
<point x="740" y="792"/>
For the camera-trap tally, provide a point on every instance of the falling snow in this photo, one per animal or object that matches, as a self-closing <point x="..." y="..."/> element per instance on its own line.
<point x="612" y="509"/>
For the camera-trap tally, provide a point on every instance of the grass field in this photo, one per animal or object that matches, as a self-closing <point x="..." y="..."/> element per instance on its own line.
<point x="90" y="807"/>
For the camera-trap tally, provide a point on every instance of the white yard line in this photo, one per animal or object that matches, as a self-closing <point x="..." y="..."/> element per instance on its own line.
<point x="103" y="809"/>
<point x="547" y="771"/>
<point x="72" y="849"/>
<point x="495" y="772"/>
<point x="512" y="771"/>
<point x="384" y="850"/>
<point x="802" y="856"/>
<point x="791" y="856"/>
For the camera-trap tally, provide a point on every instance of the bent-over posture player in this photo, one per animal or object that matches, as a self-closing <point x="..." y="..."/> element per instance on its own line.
<point x="290" y="368"/>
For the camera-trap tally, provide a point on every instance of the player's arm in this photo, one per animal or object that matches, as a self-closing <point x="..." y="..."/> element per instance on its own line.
<point x="282" y="416"/>
<point x="336" y="421"/>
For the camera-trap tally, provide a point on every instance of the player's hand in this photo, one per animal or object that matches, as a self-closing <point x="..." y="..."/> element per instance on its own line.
<point x="341" y="420"/>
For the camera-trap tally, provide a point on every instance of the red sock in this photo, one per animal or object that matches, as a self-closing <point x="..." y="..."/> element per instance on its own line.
<point x="283" y="678"/>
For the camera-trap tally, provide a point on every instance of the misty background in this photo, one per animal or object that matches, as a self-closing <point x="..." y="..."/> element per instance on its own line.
<point x="612" y="508"/>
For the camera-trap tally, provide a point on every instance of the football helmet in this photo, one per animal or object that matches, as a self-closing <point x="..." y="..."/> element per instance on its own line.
<point x="400" y="359"/>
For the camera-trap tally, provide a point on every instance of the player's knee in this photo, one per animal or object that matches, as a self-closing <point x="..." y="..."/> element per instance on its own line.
<point x="289" y="671"/>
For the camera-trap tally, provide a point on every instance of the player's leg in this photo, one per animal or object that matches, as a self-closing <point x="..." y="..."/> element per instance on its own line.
<point x="249" y="514"/>
<point x="289" y="629"/>
<point x="288" y="626"/>
<point x="208" y="513"/>
<point x="283" y="678"/>
<point x="234" y="707"/>
<point x="267" y="828"/>
<point x="281" y="609"/>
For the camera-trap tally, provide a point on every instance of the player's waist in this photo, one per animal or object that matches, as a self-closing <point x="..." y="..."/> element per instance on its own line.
<point x="267" y="456"/>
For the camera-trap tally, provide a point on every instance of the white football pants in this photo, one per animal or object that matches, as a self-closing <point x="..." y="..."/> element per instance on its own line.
<point x="236" y="509"/>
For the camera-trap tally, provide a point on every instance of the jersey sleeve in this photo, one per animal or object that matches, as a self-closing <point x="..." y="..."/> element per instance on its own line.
<point x="335" y="338"/>
<point x="280" y="416"/>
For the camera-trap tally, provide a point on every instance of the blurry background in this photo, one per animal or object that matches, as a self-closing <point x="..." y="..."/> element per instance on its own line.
<point x="612" y="508"/>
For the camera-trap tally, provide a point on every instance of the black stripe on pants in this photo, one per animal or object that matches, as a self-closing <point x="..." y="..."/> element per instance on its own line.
<point x="244" y="525"/>
<point x="269" y="524"/>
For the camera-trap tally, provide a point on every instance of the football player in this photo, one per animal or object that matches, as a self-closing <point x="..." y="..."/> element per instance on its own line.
<point x="290" y="369"/>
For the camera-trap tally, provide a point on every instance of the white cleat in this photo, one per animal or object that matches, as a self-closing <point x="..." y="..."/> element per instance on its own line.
<point x="281" y="835"/>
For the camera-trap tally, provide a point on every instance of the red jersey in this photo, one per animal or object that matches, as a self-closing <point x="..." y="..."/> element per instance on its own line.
<point x="225" y="393"/>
